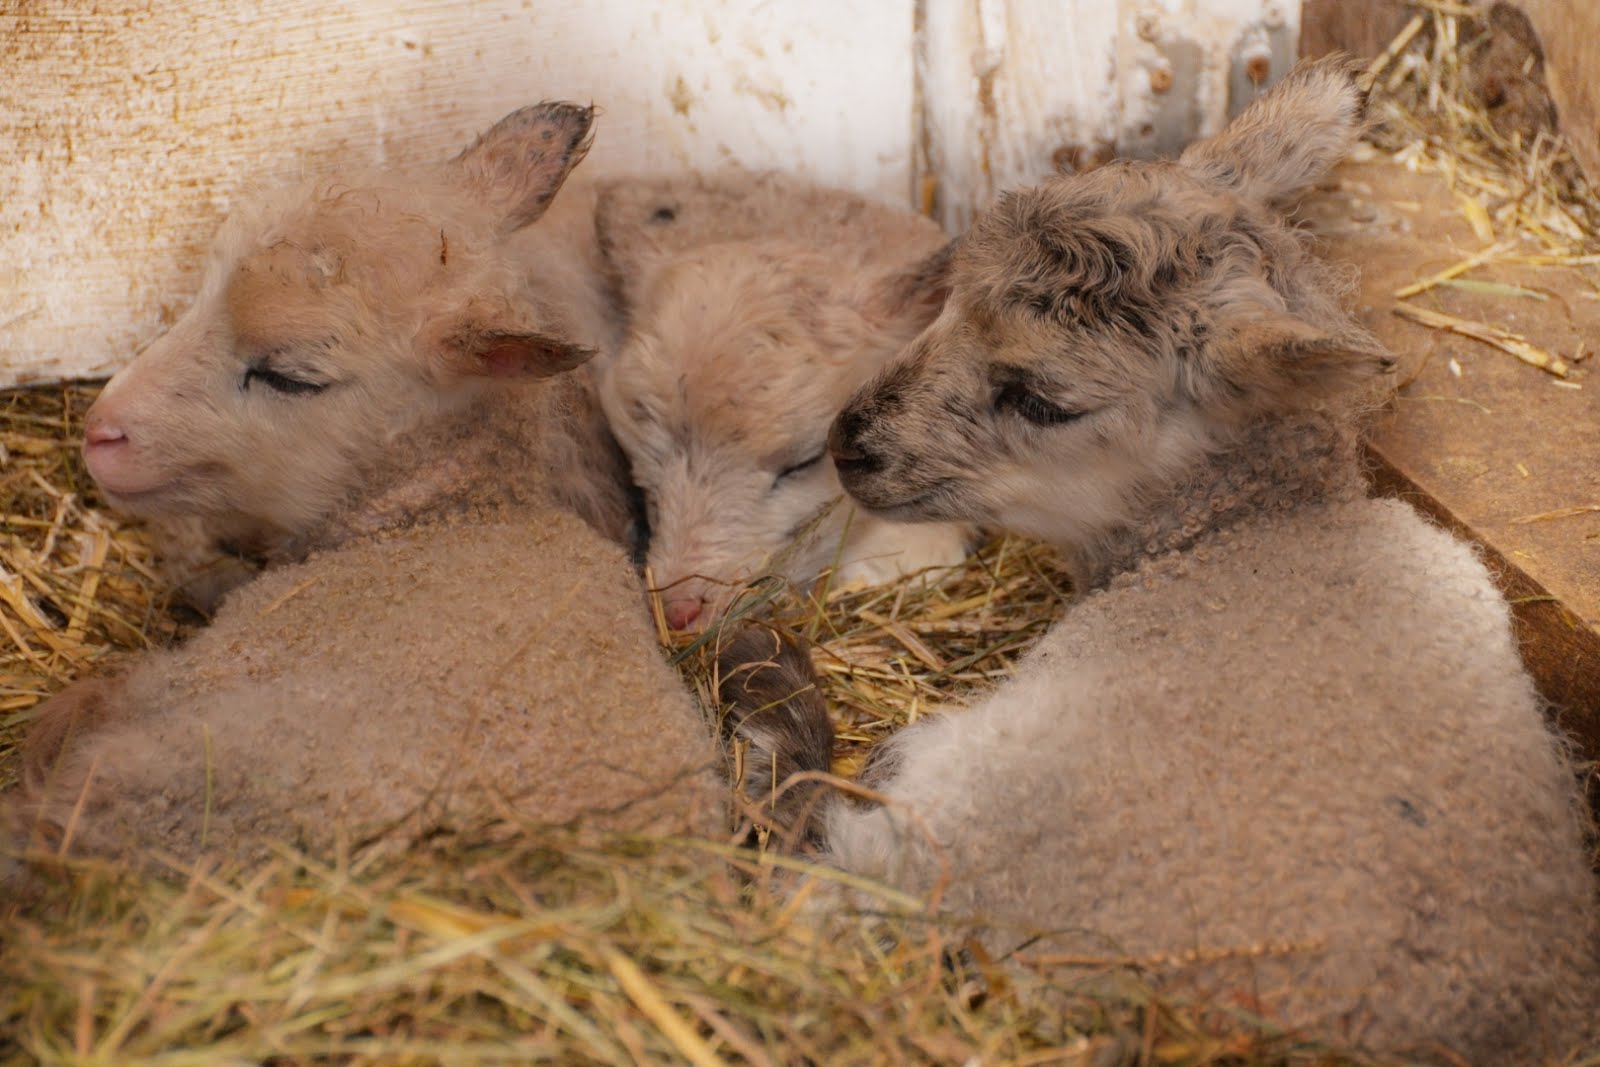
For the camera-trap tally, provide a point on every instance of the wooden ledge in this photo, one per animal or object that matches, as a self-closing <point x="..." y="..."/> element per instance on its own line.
<point x="1492" y="448"/>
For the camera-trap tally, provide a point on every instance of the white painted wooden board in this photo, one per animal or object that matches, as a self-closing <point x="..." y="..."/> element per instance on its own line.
<point x="1011" y="89"/>
<point x="1004" y="84"/>
<point x="127" y="126"/>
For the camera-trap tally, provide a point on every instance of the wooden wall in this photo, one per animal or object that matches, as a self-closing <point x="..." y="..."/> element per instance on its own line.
<point x="127" y="127"/>
<point x="1010" y="90"/>
<point x="1361" y="27"/>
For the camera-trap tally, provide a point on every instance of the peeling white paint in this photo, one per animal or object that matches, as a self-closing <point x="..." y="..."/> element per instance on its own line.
<point x="1002" y="85"/>
<point x="1010" y="89"/>
<point x="127" y="126"/>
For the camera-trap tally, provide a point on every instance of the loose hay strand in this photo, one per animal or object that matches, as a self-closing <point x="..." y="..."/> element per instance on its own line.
<point x="77" y="584"/>
<point x="1477" y="259"/>
<point x="654" y="1005"/>
<point x="1504" y="340"/>
<point x="1511" y="193"/>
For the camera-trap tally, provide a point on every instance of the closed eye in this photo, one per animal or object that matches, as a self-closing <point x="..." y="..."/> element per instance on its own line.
<point x="1014" y="396"/>
<point x="280" y="382"/>
<point x="804" y="465"/>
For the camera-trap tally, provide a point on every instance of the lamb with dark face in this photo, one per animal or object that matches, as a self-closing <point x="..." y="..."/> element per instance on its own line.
<point x="1283" y="746"/>
<point x="1104" y="334"/>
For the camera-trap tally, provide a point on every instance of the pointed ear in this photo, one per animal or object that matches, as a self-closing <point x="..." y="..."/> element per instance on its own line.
<point x="1278" y="361"/>
<point x="917" y="290"/>
<point x="637" y="224"/>
<point x="638" y="218"/>
<point x="640" y="221"/>
<point x="1289" y="137"/>
<point x="486" y="340"/>
<point x="519" y="164"/>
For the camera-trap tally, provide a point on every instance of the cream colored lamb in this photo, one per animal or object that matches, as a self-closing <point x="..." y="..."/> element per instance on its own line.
<point x="558" y="258"/>
<point x="1282" y="750"/>
<point x="370" y="390"/>
<point x="758" y="304"/>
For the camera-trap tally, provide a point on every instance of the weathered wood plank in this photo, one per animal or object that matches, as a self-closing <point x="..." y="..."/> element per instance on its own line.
<point x="1005" y="85"/>
<point x="1010" y="90"/>
<point x="126" y="126"/>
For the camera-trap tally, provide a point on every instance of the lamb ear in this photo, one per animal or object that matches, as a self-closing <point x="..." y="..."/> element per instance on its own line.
<point x="519" y="164"/>
<point x="1277" y="360"/>
<point x="635" y="225"/>
<point x="487" y="342"/>
<point x="640" y="221"/>
<point x="1289" y="137"/>
<point x="919" y="289"/>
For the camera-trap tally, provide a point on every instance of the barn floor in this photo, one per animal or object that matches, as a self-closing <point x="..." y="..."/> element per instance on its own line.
<point x="514" y="943"/>
<point x="1502" y="451"/>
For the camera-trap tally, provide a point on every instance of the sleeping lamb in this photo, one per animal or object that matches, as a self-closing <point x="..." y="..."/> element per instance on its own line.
<point x="1282" y="751"/>
<point x="758" y="304"/>
<point x="369" y="389"/>
<point x="562" y="258"/>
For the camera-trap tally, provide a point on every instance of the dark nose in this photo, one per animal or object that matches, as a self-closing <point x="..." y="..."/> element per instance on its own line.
<point x="841" y="443"/>
<point x="844" y="444"/>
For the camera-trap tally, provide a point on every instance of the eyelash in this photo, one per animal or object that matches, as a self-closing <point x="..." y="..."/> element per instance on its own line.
<point x="796" y="468"/>
<point x="281" y="383"/>
<point x="1032" y="407"/>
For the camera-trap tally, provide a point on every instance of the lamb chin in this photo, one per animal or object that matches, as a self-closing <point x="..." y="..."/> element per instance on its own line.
<point x="185" y="492"/>
<point x="154" y="501"/>
<point x="939" y="502"/>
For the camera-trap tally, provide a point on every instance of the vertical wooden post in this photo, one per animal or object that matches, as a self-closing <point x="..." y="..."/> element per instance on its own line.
<point x="1009" y="91"/>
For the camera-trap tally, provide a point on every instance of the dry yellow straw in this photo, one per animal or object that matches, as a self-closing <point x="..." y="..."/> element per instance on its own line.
<point x="91" y="582"/>
<point x="1504" y="340"/>
<point x="1396" y="46"/>
<point x="646" y="999"/>
<point x="1477" y="259"/>
<point x="1559" y="513"/>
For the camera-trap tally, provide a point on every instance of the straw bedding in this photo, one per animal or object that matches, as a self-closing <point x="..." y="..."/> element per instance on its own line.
<point x="500" y="943"/>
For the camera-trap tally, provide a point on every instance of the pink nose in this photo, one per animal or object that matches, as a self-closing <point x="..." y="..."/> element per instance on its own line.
<point x="680" y="613"/>
<point x="98" y="431"/>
